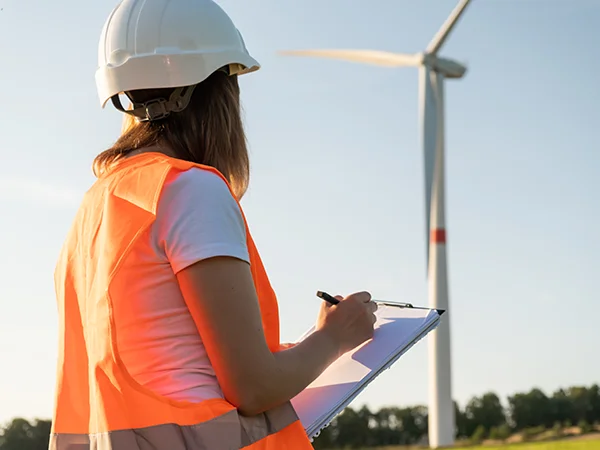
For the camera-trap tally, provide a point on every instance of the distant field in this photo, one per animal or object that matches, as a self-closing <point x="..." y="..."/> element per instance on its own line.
<point x="568" y="444"/>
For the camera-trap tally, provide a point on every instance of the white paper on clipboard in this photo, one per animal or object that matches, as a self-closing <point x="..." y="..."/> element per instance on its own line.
<point x="397" y="329"/>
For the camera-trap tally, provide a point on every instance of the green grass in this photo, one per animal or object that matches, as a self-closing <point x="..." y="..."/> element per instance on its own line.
<point x="548" y="445"/>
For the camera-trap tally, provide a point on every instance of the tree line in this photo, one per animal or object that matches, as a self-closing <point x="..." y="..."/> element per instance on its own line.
<point x="482" y="417"/>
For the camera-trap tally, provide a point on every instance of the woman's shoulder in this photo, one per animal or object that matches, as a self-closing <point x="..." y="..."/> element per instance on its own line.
<point x="196" y="179"/>
<point x="196" y="185"/>
<point x="198" y="218"/>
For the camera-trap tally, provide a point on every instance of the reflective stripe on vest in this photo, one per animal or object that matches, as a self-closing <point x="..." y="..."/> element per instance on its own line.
<point x="98" y="405"/>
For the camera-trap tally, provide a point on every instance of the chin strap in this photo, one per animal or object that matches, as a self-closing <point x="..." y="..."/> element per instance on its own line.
<point x="159" y="108"/>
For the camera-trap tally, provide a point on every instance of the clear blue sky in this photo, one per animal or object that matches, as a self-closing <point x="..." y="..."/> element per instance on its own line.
<point x="336" y="198"/>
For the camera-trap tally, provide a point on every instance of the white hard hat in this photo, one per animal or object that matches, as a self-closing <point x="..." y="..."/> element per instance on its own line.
<point x="166" y="44"/>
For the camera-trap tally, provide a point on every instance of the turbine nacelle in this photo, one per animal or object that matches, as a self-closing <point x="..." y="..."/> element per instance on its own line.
<point x="448" y="67"/>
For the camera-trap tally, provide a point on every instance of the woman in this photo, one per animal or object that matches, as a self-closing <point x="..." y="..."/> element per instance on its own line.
<point x="169" y="329"/>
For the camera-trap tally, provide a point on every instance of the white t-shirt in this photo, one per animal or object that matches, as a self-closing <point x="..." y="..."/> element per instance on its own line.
<point x="197" y="218"/>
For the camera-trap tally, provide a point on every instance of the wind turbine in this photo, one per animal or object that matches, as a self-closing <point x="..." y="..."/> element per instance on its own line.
<point x="433" y="71"/>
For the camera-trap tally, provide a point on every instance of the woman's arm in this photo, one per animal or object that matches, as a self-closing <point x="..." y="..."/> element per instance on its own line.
<point x="221" y="296"/>
<point x="201" y="230"/>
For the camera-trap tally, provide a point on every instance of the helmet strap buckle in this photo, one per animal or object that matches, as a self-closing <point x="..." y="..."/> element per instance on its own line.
<point x="156" y="109"/>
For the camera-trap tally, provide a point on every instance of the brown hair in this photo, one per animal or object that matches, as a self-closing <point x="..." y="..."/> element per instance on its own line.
<point x="209" y="131"/>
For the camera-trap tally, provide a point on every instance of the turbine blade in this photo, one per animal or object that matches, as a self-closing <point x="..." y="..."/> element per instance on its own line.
<point x="441" y="36"/>
<point x="432" y="110"/>
<point x="374" y="57"/>
<point x="429" y="142"/>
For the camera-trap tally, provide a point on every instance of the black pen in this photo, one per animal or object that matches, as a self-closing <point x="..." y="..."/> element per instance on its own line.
<point x="334" y="301"/>
<point x="328" y="298"/>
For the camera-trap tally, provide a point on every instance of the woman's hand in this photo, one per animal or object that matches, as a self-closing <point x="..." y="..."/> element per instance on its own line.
<point x="350" y="322"/>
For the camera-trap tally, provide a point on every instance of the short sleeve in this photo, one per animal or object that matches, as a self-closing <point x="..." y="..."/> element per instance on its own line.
<point x="198" y="218"/>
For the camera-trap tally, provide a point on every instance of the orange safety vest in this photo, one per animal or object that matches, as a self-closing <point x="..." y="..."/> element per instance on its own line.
<point x="98" y="405"/>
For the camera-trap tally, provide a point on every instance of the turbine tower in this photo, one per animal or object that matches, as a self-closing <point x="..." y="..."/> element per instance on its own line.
<point x="433" y="71"/>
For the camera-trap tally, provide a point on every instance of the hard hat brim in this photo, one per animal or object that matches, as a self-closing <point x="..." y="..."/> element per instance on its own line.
<point x="156" y="71"/>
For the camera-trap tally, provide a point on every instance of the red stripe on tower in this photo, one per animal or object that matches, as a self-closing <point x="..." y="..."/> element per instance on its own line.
<point x="438" y="236"/>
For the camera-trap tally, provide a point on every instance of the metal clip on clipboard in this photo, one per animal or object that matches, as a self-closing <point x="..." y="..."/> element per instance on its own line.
<point x="406" y="305"/>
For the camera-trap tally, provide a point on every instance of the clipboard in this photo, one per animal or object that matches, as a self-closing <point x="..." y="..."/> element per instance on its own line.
<point x="399" y="326"/>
